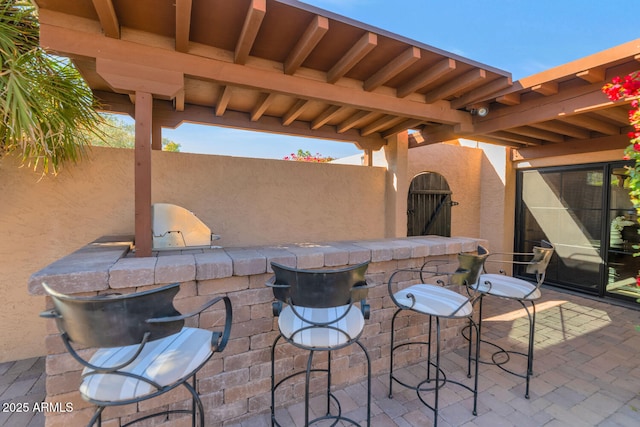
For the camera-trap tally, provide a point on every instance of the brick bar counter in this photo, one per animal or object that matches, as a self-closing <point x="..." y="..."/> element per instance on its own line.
<point x="235" y="383"/>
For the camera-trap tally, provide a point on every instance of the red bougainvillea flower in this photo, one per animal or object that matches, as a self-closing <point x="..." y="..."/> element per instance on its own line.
<point x="638" y="282"/>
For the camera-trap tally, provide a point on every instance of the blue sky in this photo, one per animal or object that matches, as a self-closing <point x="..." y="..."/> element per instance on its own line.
<point x="523" y="37"/>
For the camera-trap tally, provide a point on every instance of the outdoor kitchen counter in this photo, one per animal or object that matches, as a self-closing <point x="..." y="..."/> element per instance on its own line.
<point x="109" y="263"/>
<point x="235" y="384"/>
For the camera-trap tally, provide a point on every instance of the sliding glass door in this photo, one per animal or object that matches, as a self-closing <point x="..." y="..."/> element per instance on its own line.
<point x="586" y="213"/>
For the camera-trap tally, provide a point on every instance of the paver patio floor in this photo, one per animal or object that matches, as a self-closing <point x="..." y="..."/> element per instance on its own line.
<point x="586" y="373"/>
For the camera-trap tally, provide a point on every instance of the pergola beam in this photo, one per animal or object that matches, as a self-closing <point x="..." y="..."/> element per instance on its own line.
<point x="311" y="37"/>
<point x="392" y="69"/>
<point x="237" y="75"/>
<point x="252" y="22"/>
<point x="466" y="80"/>
<point x="428" y="76"/>
<point x="617" y="142"/>
<point x="108" y="18"/>
<point x="363" y="46"/>
<point x="167" y="117"/>
<point x="183" y="24"/>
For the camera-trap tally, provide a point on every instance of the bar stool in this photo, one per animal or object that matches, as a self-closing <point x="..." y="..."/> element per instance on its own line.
<point x="436" y="301"/>
<point x="511" y="288"/>
<point x="143" y="347"/>
<point x="320" y="315"/>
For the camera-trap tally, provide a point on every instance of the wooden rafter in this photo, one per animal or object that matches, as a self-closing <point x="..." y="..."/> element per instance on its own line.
<point x="481" y="93"/>
<point x="619" y="115"/>
<point x="393" y="68"/>
<point x="513" y="137"/>
<point x="538" y="133"/>
<point x="593" y="75"/>
<point x="252" y="22"/>
<point x="509" y="99"/>
<point x="312" y="35"/>
<point x="295" y="111"/>
<point x="593" y="124"/>
<point x="546" y="89"/>
<point x="266" y="99"/>
<point x="355" y="120"/>
<point x="381" y="123"/>
<point x="401" y="127"/>
<point x="359" y="50"/>
<point x="183" y="24"/>
<point x="428" y="76"/>
<point x="468" y="79"/>
<point x="108" y="18"/>
<point x="164" y="114"/>
<point x="326" y="115"/>
<point x="562" y="128"/>
<point x="223" y="100"/>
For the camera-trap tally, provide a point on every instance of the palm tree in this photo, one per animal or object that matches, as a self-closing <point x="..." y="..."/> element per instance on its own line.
<point x="48" y="112"/>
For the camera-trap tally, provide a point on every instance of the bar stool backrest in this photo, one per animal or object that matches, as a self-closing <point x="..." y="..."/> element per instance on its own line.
<point x="541" y="258"/>
<point x="116" y="320"/>
<point x="320" y="288"/>
<point x="469" y="267"/>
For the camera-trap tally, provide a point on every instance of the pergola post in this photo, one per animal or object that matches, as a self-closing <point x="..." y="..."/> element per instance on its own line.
<point x="397" y="153"/>
<point x="142" y="173"/>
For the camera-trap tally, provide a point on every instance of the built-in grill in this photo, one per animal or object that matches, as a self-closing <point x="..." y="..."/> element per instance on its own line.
<point x="176" y="227"/>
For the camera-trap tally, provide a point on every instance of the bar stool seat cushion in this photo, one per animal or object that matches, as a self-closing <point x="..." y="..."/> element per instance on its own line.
<point x="165" y="361"/>
<point x="508" y="287"/>
<point x="434" y="300"/>
<point x="348" y="326"/>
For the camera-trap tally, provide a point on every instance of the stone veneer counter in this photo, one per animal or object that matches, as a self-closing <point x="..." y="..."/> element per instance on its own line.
<point x="235" y="384"/>
<point x="109" y="263"/>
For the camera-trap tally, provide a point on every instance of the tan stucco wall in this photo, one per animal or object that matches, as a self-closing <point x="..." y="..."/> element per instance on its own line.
<point x="482" y="182"/>
<point x="248" y="201"/>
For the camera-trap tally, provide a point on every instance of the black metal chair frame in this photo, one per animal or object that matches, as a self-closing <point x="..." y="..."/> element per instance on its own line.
<point x="320" y="288"/>
<point x="115" y="320"/>
<point x="466" y="274"/>
<point x="536" y="265"/>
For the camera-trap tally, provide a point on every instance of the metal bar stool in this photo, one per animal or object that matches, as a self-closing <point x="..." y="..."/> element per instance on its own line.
<point x="436" y="301"/>
<point x="319" y="315"/>
<point x="522" y="291"/>
<point x="144" y="349"/>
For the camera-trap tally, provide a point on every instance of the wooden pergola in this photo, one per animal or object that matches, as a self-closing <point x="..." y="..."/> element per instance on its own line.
<point x="286" y="67"/>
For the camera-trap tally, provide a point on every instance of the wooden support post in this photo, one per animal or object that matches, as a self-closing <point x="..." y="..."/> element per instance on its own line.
<point x="142" y="173"/>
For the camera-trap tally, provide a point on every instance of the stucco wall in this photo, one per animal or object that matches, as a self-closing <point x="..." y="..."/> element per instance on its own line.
<point x="461" y="167"/>
<point x="248" y="201"/>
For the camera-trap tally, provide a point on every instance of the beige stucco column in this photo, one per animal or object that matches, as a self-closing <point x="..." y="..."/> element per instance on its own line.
<point x="396" y="153"/>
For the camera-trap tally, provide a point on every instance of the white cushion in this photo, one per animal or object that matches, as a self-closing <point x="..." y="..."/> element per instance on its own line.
<point x="164" y="361"/>
<point x="435" y="300"/>
<point x="507" y="287"/>
<point x="320" y="336"/>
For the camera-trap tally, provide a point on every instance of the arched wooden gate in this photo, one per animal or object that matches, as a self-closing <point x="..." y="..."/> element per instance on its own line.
<point x="429" y="205"/>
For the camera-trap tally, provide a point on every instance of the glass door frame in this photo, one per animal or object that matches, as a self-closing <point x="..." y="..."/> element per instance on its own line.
<point x="522" y="245"/>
